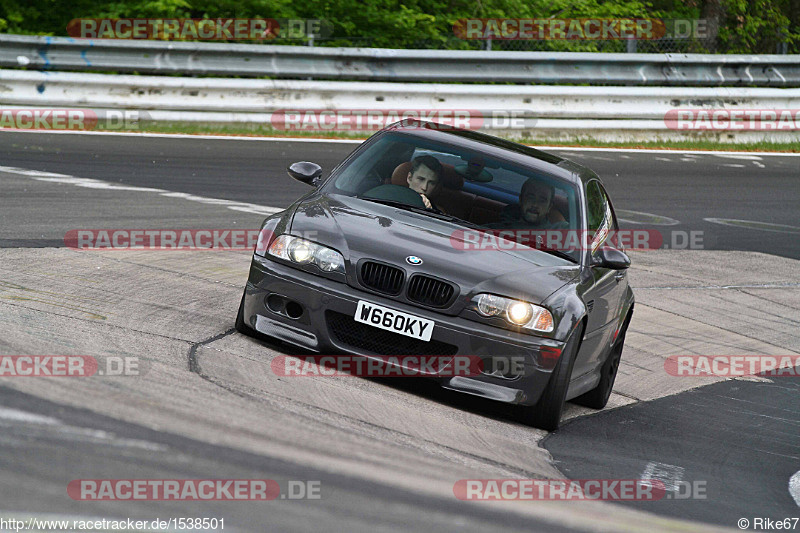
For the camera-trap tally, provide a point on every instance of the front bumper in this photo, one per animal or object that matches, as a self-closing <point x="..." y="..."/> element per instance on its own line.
<point x="321" y="321"/>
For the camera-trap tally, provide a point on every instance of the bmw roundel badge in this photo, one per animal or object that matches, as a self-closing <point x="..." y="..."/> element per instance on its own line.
<point x="413" y="260"/>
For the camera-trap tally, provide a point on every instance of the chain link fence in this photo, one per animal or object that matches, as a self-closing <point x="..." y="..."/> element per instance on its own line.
<point x="664" y="45"/>
<point x="642" y="46"/>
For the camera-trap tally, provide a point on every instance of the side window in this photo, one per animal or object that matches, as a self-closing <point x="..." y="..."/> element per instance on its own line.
<point x="612" y="217"/>
<point x="600" y="217"/>
<point x="615" y="240"/>
<point x="596" y="205"/>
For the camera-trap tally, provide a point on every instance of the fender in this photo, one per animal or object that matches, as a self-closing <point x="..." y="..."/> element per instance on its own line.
<point x="573" y="308"/>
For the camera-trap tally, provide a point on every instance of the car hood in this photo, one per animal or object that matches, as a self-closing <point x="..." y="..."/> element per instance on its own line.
<point x="362" y="229"/>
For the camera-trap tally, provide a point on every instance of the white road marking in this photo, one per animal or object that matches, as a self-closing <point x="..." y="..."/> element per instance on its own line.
<point x="16" y="423"/>
<point x="739" y="156"/>
<point x="794" y="487"/>
<point x="669" y="475"/>
<point x="715" y="287"/>
<point x="189" y="136"/>
<point x="564" y="149"/>
<point x="89" y="183"/>
<point x="759" y="165"/>
<point x="638" y="217"/>
<point x="753" y="224"/>
<point x="733" y="165"/>
<point x="663" y="159"/>
<point x="15" y="415"/>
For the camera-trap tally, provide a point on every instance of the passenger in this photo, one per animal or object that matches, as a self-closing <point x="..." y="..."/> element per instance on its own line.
<point x="424" y="179"/>
<point x="535" y="203"/>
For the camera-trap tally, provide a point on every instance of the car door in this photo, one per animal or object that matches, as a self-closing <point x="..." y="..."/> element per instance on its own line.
<point x="621" y="276"/>
<point x="600" y="286"/>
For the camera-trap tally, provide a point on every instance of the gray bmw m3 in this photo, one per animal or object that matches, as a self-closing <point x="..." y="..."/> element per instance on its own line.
<point x="437" y="241"/>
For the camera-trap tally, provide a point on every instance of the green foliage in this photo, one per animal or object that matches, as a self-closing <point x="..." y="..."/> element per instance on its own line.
<point x="745" y="26"/>
<point x="145" y="9"/>
<point x="758" y="25"/>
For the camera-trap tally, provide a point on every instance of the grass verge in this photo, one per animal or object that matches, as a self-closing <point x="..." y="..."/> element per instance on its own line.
<point x="259" y="130"/>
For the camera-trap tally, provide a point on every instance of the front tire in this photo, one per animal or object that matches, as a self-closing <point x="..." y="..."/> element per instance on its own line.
<point x="597" y="398"/>
<point x="546" y="414"/>
<point x="240" y="325"/>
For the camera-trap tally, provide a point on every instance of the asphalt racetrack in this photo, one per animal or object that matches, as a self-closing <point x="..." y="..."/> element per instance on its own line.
<point x="385" y="454"/>
<point x="748" y="195"/>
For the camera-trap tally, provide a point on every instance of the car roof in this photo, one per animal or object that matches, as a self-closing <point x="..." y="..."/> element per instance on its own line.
<point x="494" y="146"/>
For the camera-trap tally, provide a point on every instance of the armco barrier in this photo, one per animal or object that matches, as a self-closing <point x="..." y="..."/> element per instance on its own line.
<point x="375" y="64"/>
<point x="623" y="113"/>
<point x="229" y="95"/>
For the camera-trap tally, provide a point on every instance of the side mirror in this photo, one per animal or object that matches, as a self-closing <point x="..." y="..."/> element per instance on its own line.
<point x="607" y="257"/>
<point x="305" y="171"/>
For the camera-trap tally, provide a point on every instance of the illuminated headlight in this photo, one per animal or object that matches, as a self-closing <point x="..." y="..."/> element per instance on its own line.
<point x="519" y="313"/>
<point x="516" y="312"/>
<point x="300" y="251"/>
<point x="303" y="252"/>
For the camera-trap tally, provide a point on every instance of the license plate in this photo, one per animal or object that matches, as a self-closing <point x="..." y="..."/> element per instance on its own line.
<point x="391" y="320"/>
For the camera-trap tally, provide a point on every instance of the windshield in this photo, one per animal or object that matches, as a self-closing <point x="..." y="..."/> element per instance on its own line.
<point x="501" y="198"/>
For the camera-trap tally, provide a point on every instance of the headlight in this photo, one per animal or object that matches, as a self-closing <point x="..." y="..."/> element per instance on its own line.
<point x="300" y="251"/>
<point x="329" y="260"/>
<point x="490" y="305"/>
<point x="303" y="252"/>
<point x="519" y="313"/>
<point x="516" y="312"/>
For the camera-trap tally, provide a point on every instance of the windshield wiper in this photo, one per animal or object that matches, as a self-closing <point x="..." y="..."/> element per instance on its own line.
<point x="452" y="218"/>
<point x="421" y="210"/>
<point x="545" y="249"/>
<point x="393" y="203"/>
<point x="559" y="253"/>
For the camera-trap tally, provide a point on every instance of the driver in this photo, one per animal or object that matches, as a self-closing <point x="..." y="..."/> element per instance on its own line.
<point x="424" y="178"/>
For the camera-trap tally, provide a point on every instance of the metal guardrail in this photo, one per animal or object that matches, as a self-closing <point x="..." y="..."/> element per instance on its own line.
<point x="610" y="113"/>
<point x="231" y="95"/>
<point x="375" y="64"/>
